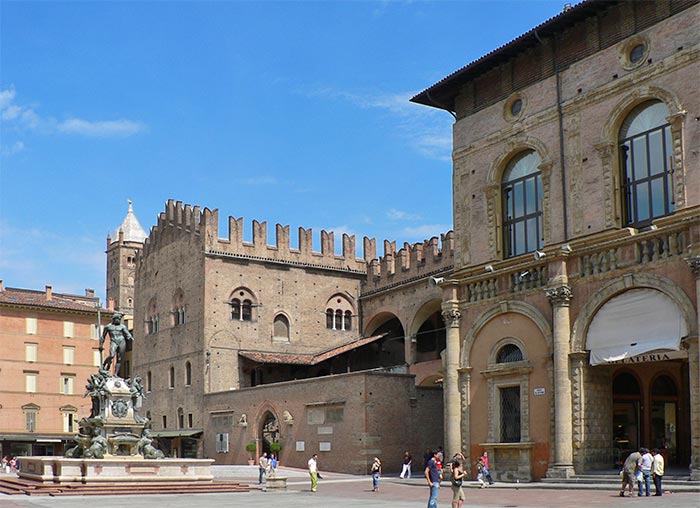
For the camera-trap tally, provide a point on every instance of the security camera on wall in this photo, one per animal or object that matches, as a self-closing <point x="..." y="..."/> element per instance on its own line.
<point x="489" y="269"/>
<point x="437" y="280"/>
<point x="539" y="255"/>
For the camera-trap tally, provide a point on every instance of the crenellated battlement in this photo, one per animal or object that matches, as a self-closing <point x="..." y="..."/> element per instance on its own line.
<point x="420" y="259"/>
<point x="412" y="261"/>
<point x="179" y="219"/>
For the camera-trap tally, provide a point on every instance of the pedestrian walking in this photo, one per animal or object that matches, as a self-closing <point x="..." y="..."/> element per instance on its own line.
<point x="313" y="472"/>
<point x="376" y="471"/>
<point x="657" y="470"/>
<point x="262" y="468"/>
<point x="406" y="467"/>
<point x="480" y="472"/>
<point x="434" y="476"/>
<point x="458" y="475"/>
<point x="629" y="472"/>
<point x="487" y="468"/>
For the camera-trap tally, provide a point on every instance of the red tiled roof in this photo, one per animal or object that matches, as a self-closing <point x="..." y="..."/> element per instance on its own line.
<point x="32" y="298"/>
<point x="307" y="359"/>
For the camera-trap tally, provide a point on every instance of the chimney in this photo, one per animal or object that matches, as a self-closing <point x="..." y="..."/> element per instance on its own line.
<point x="110" y="303"/>
<point x="1" y="288"/>
<point x="49" y="292"/>
<point x="90" y="293"/>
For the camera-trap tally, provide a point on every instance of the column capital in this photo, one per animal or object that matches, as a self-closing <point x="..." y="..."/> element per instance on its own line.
<point x="451" y="317"/>
<point x="694" y="264"/>
<point x="559" y="296"/>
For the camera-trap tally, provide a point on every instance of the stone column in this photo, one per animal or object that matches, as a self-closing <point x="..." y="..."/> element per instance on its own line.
<point x="451" y="316"/>
<point x="694" y="374"/>
<point x="562" y="465"/>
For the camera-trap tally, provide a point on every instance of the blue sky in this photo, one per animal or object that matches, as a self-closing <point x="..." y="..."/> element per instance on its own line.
<point x="286" y="112"/>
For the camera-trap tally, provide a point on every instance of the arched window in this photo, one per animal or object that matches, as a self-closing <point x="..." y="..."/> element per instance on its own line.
<point x="347" y="323"/>
<point x="236" y="309"/>
<point x="178" y="310"/>
<point x="152" y="318"/>
<point x="339" y="313"/>
<point x="521" y="189"/>
<point x="180" y="418"/>
<point x="247" y="310"/>
<point x="281" y="327"/>
<point x="242" y="305"/>
<point x="509" y="353"/>
<point x="172" y="377"/>
<point x="645" y="160"/>
<point x="188" y="374"/>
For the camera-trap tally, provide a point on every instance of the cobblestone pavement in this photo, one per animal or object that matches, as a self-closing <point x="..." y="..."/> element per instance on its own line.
<point x="355" y="492"/>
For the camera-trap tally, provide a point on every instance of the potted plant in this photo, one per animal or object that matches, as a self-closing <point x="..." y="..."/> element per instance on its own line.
<point x="251" y="448"/>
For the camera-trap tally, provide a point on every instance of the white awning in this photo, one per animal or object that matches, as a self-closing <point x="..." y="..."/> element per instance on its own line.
<point x="633" y="323"/>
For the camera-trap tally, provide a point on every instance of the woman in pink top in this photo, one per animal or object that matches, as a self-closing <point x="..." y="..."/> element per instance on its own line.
<point x="487" y="471"/>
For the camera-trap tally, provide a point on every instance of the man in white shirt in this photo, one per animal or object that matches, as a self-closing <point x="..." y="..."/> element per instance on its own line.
<point x="647" y="461"/>
<point x="313" y="472"/>
<point x="657" y="469"/>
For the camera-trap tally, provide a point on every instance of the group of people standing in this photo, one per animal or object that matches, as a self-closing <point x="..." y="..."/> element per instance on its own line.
<point x="9" y="464"/>
<point x="640" y="468"/>
<point x="434" y="475"/>
<point x="266" y="465"/>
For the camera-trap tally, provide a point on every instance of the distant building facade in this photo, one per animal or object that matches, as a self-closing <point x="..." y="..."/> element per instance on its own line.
<point x="555" y="327"/>
<point x="123" y="249"/>
<point x="216" y="317"/>
<point x="574" y="294"/>
<point x="49" y="348"/>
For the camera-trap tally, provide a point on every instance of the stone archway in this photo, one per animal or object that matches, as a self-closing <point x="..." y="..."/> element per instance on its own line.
<point x="269" y="432"/>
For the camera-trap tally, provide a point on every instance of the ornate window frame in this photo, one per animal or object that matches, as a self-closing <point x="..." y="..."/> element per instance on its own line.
<point x="625" y="56"/>
<point x="494" y="201"/>
<point x="608" y="150"/>
<point x="505" y="375"/>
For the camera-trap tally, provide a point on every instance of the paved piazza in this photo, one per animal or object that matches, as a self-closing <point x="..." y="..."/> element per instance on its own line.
<point x="355" y="492"/>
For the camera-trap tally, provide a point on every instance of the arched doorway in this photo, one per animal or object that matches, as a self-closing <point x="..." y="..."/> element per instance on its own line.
<point x="269" y="432"/>
<point x="664" y="417"/>
<point x="627" y="400"/>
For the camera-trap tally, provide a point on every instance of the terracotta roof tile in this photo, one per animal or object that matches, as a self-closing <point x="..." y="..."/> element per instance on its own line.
<point x="307" y="359"/>
<point x="33" y="298"/>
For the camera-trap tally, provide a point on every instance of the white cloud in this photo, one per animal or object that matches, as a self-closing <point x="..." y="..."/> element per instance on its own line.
<point x="425" y="231"/>
<point x="394" y="214"/>
<point x="101" y="128"/>
<point x="427" y="130"/>
<point x="22" y="117"/>
<point x="13" y="149"/>
<point x="33" y="257"/>
<point x="261" y="180"/>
